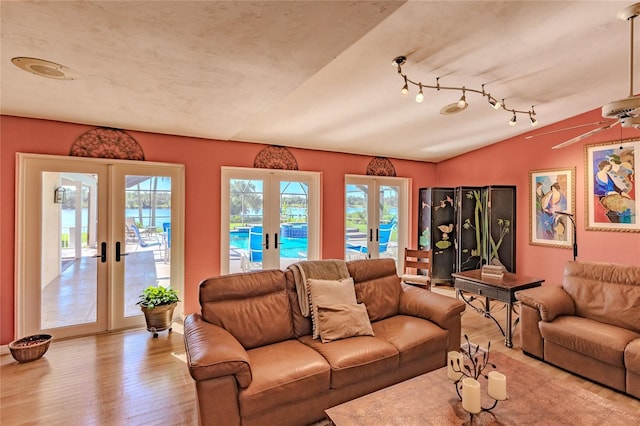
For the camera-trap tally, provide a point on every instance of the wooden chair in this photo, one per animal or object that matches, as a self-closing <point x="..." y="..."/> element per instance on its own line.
<point x="416" y="261"/>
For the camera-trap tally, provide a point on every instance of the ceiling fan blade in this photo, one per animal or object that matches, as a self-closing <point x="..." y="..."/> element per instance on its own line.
<point x="585" y="135"/>
<point x="567" y="128"/>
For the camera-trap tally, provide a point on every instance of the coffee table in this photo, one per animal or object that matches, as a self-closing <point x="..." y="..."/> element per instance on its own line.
<point x="502" y="289"/>
<point x="534" y="398"/>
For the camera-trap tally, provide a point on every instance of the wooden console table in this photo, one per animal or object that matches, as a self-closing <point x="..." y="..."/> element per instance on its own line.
<point x="502" y="289"/>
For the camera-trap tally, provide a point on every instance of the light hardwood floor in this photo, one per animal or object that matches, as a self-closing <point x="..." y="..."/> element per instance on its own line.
<point x="129" y="378"/>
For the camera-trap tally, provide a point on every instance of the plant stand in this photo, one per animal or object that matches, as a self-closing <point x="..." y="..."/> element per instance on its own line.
<point x="159" y="318"/>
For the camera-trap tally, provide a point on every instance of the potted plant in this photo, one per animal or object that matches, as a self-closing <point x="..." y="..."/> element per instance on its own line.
<point x="157" y="304"/>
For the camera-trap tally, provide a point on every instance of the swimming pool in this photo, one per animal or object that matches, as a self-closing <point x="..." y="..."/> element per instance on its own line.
<point x="289" y="247"/>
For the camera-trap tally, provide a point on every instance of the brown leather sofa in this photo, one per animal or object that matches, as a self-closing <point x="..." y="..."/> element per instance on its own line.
<point x="589" y="326"/>
<point x="254" y="360"/>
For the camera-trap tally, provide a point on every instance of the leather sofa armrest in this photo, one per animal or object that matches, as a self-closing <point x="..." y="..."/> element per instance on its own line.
<point x="551" y="301"/>
<point x="213" y="352"/>
<point x="431" y="306"/>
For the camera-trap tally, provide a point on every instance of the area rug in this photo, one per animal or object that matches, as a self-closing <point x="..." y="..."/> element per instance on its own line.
<point x="534" y="398"/>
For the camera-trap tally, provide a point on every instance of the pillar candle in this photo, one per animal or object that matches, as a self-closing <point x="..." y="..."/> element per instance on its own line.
<point x="455" y="357"/>
<point x="497" y="386"/>
<point x="471" y="395"/>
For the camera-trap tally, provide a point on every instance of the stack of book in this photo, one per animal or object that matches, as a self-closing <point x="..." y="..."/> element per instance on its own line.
<point x="493" y="271"/>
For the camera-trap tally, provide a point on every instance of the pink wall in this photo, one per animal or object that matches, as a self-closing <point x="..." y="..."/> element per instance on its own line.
<point x="509" y="163"/>
<point x="506" y="163"/>
<point x="202" y="160"/>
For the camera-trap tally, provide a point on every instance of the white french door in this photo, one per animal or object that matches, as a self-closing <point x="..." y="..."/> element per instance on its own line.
<point x="376" y="217"/>
<point x="80" y="264"/>
<point x="269" y="218"/>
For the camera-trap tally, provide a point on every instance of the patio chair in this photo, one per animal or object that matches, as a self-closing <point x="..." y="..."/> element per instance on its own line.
<point x="146" y="242"/>
<point x="166" y="236"/>
<point x="384" y="235"/>
<point x="252" y="259"/>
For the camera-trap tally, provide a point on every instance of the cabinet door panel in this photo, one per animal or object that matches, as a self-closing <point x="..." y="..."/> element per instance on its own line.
<point x="501" y="223"/>
<point x="436" y="228"/>
<point x="469" y="224"/>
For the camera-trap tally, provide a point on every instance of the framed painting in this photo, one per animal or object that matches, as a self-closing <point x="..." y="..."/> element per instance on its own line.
<point x="552" y="196"/>
<point x="612" y="190"/>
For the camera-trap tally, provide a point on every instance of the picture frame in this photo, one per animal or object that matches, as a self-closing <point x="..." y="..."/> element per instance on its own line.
<point x="552" y="191"/>
<point x="612" y="192"/>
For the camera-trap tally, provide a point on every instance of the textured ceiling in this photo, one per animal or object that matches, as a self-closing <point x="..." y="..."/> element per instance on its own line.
<point x="316" y="74"/>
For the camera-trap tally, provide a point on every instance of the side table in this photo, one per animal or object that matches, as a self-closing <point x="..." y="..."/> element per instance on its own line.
<point x="502" y="289"/>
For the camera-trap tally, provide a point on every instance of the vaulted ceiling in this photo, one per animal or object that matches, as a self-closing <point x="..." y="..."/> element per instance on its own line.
<point x="316" y="74"/>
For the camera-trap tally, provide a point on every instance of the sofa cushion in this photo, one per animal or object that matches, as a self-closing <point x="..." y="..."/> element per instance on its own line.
<point x="282" y="373"/>
<point x="605" y="292"/>
<point x="377" y="286"/>
<point x="342" y="321"/>
<point x="591" y="338"/>
<point x="328" y="293"/>
<point x="413" y="337"/>
<point x="356" y="358"/>
<point x="254" y="307"/>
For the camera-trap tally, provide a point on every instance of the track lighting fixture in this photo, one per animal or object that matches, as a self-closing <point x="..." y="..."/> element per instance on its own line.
<point x="399" y="61"/>
<point x="420" y="95"/>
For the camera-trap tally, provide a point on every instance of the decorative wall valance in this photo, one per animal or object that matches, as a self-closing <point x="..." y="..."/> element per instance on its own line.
<point x="275" y="157"/>
<point x="381" y="166"/>
<point x="104" y="142"/>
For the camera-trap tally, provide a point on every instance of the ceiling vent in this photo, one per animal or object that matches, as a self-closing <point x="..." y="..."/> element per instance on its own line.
<point x="45" y="68"/>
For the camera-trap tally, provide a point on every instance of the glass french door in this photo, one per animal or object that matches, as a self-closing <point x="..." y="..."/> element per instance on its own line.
<point x="91" y="235"/>
<point x="270" y="219"/>
<point x="376" y="216"/>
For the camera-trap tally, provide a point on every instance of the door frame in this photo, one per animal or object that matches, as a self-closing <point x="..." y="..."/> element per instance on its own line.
<point x="373" y="217"/>
<point x="271" y="194"/>
<point x="24" y="319"/>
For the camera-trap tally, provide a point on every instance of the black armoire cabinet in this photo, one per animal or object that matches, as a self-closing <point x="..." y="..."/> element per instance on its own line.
<point x="436" y="226"/>
<point x="467" y="227"/>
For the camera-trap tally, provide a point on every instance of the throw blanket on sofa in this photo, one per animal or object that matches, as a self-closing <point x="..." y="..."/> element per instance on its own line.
<point x="316" y="269"/>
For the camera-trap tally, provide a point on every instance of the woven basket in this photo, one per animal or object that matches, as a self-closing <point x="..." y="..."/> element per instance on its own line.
<point x="159" y="318"/>
<point x="30" y="348"/>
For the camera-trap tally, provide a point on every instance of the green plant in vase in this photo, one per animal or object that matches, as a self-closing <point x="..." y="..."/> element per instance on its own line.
<point x="157" y="304"/>
<point x="157" y="295"/>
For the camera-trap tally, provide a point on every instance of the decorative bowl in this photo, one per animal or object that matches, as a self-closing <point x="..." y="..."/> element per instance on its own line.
<point x="30" y="348"/>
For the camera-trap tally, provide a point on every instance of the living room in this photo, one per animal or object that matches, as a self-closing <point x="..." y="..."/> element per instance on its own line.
<point x="508" y="161"/>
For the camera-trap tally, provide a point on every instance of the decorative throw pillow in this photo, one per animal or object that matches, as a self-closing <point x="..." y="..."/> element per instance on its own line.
<point x="342" y="321"/>
<point x="328" y="293"/>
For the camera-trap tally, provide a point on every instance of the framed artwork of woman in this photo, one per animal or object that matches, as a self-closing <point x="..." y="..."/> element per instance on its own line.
<point x="612" y="191"/>
<point x="551" y="207"/>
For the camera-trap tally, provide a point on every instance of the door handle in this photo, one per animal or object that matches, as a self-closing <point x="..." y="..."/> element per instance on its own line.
<point x="275" y="242"/>
<point x="118" y="253"/>
<point x="266" y="241"/>
<point x="103" y="254"/>
<point x="370" y="234"/>
<point x="377" y="234"/>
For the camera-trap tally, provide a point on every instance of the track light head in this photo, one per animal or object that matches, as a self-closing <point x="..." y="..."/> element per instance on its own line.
<point x="405" y="88"/>
<point x="512" y="122"/>
<point x="534" y="122"/>
<point x="463" y="99"/>
<point x="420" y="95"/>
<point x="494" y="103"/>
